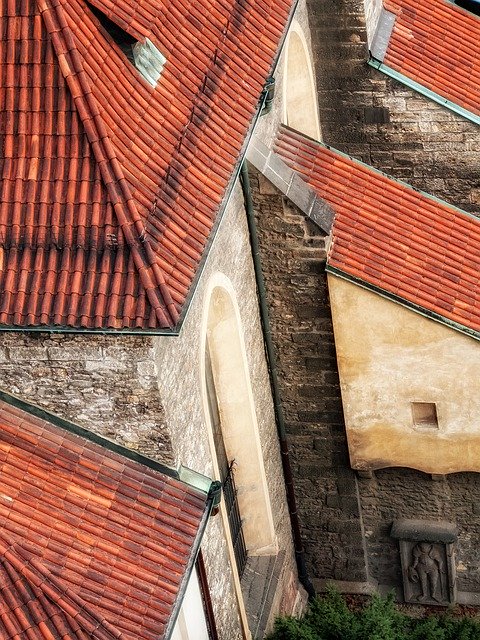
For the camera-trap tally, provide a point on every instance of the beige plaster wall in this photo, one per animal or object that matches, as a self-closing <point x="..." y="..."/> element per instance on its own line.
<point x="388" y="357"/>
<point x="267" y="125"/>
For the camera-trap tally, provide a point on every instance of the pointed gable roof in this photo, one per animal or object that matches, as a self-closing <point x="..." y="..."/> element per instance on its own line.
<point x="111" y="186"/>
<point x="436" y="46"/>
<point x="392" y="239"/>
<point x="93" y="544"/>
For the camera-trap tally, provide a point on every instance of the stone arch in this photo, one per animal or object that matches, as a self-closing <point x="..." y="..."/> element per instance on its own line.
<point x="222" y="335"/>
<point x="300" y="109"/>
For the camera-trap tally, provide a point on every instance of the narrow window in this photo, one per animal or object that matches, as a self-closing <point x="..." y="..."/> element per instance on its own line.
<point x="425" y="415"/>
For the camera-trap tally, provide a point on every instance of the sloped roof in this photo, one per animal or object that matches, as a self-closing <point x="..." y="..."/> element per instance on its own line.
<point x="93" y="545"/>
<point x="437" y="45"/>
<point x="110" y="187"/>
<point x="387" y="236"/>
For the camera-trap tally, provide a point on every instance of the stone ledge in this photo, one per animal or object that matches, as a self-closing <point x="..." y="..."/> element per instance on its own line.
<point x="290" y="184"/>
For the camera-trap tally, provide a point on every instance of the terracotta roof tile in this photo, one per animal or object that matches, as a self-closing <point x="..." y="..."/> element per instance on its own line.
<point x="391" y="237"/>
<point x="92" y="544"/>
<point x="110" y="187"/>
<point x="437" y="44"/>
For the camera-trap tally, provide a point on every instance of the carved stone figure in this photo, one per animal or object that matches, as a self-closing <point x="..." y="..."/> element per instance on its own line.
<point x="427" y="559"/>
<point x="428" y="568"/>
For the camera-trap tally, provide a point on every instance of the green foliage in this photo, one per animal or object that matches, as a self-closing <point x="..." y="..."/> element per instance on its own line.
<point x="330" y="618"/>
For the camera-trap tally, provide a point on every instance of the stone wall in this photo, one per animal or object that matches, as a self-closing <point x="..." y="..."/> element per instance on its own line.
<point x="180" y="371"/>
<point x="405" y="493"/>
<point x="105" y="383"/>
<point x="293" y="259"/>
<point x="380" y="121"/>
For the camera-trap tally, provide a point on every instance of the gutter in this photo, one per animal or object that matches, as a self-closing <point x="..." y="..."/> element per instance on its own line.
<point x="279" y="419"/>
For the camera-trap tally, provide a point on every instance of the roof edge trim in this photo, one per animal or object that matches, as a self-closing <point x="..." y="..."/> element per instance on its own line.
<point x="88" y="331"/>
<point x="426" y="313"/>
<point x="419" y="88"/>
<point x="192" y="478"/>
<point x="190" y="567"/>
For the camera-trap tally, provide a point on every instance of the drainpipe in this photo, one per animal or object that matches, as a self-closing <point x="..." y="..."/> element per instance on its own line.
<point x="282" y="435"/>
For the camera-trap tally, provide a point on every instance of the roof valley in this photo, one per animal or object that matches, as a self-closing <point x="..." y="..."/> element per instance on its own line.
<point x="145" y="260"/>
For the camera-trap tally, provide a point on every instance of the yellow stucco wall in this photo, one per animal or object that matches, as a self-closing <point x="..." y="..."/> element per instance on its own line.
<point x="388" y="357"/>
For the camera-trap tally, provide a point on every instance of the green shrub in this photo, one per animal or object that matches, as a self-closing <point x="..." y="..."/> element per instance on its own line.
<point x="330" y="618"/>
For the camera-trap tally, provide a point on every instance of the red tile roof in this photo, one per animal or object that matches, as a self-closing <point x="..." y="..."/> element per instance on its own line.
<point x="92" y="544"/>
<point x="110" y="187"/>
<point x="409" y="246"/>
<point x="437" y="44"/>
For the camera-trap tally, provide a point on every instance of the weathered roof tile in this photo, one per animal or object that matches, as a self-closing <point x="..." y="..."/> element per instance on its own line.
<point x="392" y="238"/>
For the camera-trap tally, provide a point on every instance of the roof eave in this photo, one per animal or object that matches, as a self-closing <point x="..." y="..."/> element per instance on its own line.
<point x="426" y="313"/>
<point x="419" y="88"/>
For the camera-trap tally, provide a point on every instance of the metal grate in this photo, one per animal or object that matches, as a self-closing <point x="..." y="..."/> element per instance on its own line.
<point x="234" y="519"/>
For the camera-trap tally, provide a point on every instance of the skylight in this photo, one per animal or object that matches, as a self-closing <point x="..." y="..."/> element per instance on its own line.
<point x="144" y="56"/>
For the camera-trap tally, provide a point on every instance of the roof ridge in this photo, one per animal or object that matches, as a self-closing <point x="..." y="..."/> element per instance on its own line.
<point x="26" y="564"/>
<point x="131" y="224"/>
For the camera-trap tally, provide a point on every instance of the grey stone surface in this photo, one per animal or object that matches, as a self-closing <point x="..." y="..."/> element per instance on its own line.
<point x="431" y="530"/>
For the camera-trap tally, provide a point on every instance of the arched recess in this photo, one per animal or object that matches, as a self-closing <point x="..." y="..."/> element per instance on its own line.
<point x="223" y="338"/>
<point x="300" y="109"/>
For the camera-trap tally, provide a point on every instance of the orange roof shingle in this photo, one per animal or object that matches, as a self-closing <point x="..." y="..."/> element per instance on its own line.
<point x="92" y="544"/>
<point x="110" y="187"/>
<point x="437" y="44"/>
<point x="398" y="241"/>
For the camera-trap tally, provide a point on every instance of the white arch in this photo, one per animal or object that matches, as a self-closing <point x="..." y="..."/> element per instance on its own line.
<point x="222" y="326"/>
<point x="300" y="108"/>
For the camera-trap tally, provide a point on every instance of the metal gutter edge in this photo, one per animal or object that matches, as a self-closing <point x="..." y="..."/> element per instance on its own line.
<point x="431" y="315"/>
<point x="279" y="419"/>
<point x="81" y="331"/>
<point x="444" y="102"/>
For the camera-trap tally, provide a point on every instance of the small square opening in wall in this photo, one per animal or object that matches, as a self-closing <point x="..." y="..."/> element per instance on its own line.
<point x="425" y="414"/>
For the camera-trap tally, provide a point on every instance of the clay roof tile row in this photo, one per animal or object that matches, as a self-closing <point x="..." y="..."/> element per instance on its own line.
<point x="437" y="44"/>
<point x="392" y="238"/>
<point x="92" y="544"/>
<point x="110" y="187"/>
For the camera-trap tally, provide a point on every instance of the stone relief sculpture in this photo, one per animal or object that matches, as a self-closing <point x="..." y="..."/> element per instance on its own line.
<point x="427" y="559"/>
<point x="428" y="569"/>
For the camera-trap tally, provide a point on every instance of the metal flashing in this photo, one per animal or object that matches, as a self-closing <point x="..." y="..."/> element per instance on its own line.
<point x="385" y="24"/>
<point x="426" y="313"/>
<point x="290" y="184"/>
<point x="444" y="102"/>
<point x="149" y="61"/>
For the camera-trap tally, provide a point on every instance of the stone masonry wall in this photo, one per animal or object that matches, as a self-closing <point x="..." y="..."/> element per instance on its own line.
<point x="293" y="259"/>
<point x="405" y="493"/>
<point x="105" y="383"/>
<point x="380" y="121"/>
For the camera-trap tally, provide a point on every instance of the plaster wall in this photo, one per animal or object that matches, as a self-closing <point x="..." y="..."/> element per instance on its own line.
<point x="390" y="357"/>
<point x="267" y="126"/>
